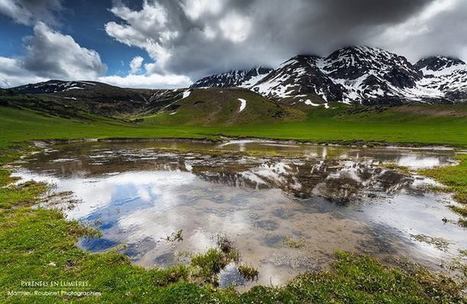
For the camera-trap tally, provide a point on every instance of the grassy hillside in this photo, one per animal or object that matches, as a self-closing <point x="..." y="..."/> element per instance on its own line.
<point x="99" y="99"/>
<point x="211" y="107"/>
<point x="422" y="125"/>
<point x="22" y="125"/>
<point x="105" y="111"/>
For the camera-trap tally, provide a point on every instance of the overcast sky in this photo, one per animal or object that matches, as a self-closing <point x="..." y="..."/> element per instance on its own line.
<point x="169" y="43"/>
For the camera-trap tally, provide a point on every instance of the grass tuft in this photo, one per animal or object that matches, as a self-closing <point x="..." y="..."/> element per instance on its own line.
<point x="248" y="272"/>
<point x="455" y="180"/>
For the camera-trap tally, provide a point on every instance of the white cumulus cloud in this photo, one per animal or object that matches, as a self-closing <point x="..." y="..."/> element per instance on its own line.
<point x="148" y="81"/>
<point x="50" y="55"/>
<point x="135" y="64"/>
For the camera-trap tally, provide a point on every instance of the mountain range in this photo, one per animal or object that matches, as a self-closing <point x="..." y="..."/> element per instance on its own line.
<point x="351" y="75"/>
<point x="356" y="74"/>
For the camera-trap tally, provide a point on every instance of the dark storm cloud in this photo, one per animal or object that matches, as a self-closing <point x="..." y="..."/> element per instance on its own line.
<point x="197" y="37"/>
<point x="192" y="38"/>
<point x="440" y="30"/>
<point x="322" y="26"/>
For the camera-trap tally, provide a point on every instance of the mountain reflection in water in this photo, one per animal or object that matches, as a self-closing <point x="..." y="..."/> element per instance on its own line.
<point x="323" y="198"/>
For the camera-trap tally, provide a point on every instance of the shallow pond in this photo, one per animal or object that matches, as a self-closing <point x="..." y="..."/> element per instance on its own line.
<point x="286" y="207"/>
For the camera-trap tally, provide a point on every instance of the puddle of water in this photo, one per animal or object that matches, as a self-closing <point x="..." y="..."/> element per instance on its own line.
<point x="285" y="215"/>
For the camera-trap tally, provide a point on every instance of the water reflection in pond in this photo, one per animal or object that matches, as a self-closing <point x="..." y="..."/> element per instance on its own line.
<point x="286" y="207"/>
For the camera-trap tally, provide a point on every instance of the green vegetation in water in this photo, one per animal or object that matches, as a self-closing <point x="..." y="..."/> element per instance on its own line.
<point x="439" y="243"/>
<point x="294" y="243"/>
<point x="250" y="273"/>
<point x="461" y="210"/>
<point x="175" y="236"/>
<point x="227" y="247"/>
<point x="455" y="180"/>
<point x="395" y="167"/>
<point x="209" y="265"/>
<point x="40" y="245"/>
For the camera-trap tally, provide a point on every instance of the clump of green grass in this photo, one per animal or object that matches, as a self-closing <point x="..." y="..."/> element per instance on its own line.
<point x="166" y="276"/>
<point x="209" y="265"/>
<point x="462" y="222"/>
<point x="175" y="236"/>
<point x="395" y="167"/>
<point x="359" y="279"/>
<point x="227" y="247"/>
<point x="454" y="177"/>
<point x="455" y="180"/>
<point x="294" y="243"/>
<point x="461" y="210"/>
<point x="248" y="272"/>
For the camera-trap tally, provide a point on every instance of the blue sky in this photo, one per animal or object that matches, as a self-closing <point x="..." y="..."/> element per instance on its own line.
<point x="85" y="23"/>
<point x="171" y="43"/>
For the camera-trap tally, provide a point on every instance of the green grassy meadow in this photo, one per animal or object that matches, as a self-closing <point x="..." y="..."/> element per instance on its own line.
<point x="39" y="244"/>
<point x="338" y="125"/>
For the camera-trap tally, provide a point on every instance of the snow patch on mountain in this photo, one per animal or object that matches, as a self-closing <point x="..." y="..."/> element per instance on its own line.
<point x="186" y="94"/>
<point x="242" y="104"/>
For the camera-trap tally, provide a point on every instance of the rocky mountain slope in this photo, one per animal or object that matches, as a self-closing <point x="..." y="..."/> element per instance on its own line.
<point x="236" y="78"/>
<point x="361" y="75"/>
<point x="70" y="98"/>
<point x="54" y="86"/>
<point x="444" y="77"/>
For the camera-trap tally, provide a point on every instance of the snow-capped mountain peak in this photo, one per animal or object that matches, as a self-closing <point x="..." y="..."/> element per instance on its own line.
<point x="445" y="78"/>
<point x="355" y="62"/>
<point x="439" y="63"/>
<point x="357" y="74"/>
<point x="300" y="78"/>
